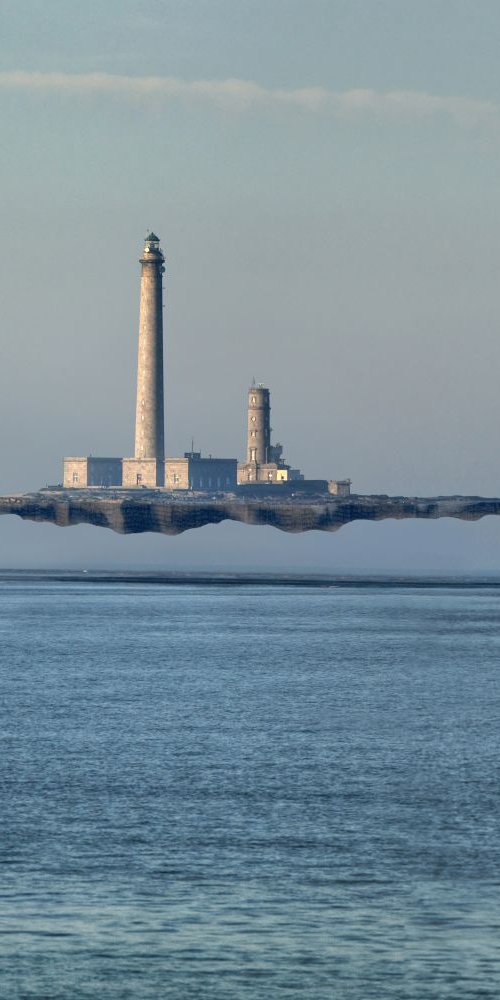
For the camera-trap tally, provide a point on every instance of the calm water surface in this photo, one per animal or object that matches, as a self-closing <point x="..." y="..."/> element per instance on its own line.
<point x="249" y="792"/>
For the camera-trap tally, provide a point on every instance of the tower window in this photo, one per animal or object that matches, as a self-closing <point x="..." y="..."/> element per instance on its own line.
<point x="75" y="477"/>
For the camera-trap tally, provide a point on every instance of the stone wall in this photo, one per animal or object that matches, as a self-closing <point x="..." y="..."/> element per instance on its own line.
<point x="339" y="487"/>
<point x="104" y="471"/>
<point x="287" y="488"/>
<point x="80" y="473"/>
<point x="177" y="474"/>
<point x="75" y="473"/>
<point x="212" y="473"/>
<point x="143" y="472"/>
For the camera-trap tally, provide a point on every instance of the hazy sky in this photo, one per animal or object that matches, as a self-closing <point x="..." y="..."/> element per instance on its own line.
<point x="324" y="176"/>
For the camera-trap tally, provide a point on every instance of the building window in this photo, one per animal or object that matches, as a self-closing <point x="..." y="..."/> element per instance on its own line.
<point x="253" y="399"/>
<point x="253" y="419"/>
<point x="139" y="479"/>
<point x="177" y="478"/>
<point x="253" y="452"/>
<point x="253" y="434"/>
<point x="75" y="477"/>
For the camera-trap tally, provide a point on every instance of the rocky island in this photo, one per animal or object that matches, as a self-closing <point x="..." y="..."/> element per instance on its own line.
<point x="139" y="510"/>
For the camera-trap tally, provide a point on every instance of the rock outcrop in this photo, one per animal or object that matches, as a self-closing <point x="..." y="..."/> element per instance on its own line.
<point x="134" y="511"/>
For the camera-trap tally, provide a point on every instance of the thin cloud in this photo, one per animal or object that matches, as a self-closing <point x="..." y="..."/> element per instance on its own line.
<point x="242" y="95"/>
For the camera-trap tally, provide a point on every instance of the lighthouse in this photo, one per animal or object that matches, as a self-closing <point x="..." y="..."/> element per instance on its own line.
<point x="259" y="425"/>
<point x="147" y="467"/>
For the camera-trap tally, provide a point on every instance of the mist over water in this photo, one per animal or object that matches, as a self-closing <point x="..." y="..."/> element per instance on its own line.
<point x="249" y="792"/>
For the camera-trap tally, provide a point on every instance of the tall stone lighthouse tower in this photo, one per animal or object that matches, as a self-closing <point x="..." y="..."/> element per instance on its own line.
<point x="259" y="425"/>
<point x="147" y="468"/>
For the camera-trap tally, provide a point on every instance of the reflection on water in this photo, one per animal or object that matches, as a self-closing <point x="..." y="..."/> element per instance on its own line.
<point x="248" y="793"/>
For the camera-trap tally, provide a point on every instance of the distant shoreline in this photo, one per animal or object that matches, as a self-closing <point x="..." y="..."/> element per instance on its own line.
<point x="245" y="579"/>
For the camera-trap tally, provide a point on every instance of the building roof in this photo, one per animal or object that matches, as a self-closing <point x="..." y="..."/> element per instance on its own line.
<point x="152" y="238"/>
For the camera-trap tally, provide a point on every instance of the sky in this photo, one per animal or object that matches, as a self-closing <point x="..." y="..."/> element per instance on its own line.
<point x="324" y="180"/>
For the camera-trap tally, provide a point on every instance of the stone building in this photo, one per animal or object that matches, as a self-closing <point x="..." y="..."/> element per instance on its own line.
<point x="90" y="471"/>
<point x="193" y="472"/>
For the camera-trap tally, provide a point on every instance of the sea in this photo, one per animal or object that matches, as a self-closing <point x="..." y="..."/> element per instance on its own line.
<point x="248" y="789"/>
